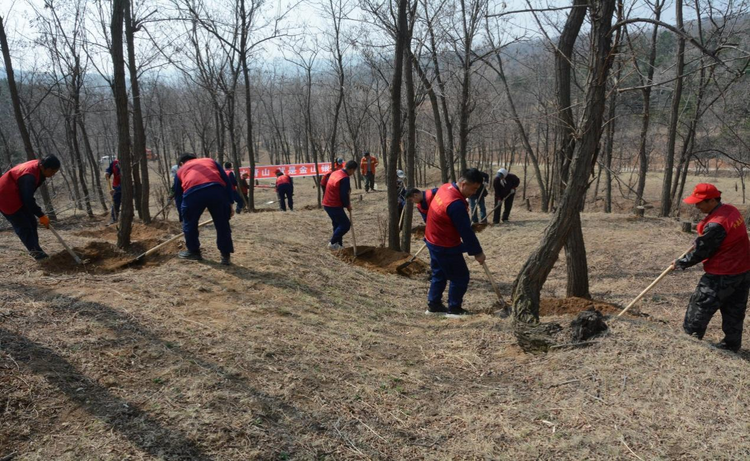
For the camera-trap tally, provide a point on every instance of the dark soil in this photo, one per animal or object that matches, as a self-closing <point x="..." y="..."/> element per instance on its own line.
<point x="105" y="257"/>
<point x="383" y="260"/>
<point x="562" y="306"/>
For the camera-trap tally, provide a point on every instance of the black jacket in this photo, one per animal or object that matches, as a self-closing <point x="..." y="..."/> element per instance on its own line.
<point x="504" y="186"/>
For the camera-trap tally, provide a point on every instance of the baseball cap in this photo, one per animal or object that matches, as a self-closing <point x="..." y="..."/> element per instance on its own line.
<point x="702" y="191"/>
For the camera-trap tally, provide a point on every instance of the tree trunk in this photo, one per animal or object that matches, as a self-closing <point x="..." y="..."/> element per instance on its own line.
<point x="528" y="284"/>
<point x="411" y="148"/>
<point x="119" y="7"/>
<point x="16" y="101"/>
<point x="575" y="249"/>
<point x="395" y="148"/>
<point x="139" y="133"/>
<point x="666" y="197"/>
<point x="444" y="171"/>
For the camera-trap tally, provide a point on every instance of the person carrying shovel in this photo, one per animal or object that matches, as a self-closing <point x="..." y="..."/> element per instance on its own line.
<point x="17" y="203"/>
<point x="723" y="247"/>
<point x="201" y="183"/>
<point x="448" y="235"/>
<point x="335" y="200"/>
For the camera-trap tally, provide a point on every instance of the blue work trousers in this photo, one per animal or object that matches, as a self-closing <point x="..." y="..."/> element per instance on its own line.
<point x="238" y="200"/>
<point x="448" y="265"/>
<point x="340" y="222"/>
<point x="477" y="216"/>
<point x="285" y="192"/>
<point x="194" y="204"/>
<point x="25" y="225"/>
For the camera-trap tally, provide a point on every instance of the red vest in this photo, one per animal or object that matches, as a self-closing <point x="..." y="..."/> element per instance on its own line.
<point x="428" y="196"/>
<point x="733" y="256"/>
<point x="10" y="196"/>
<point x="332" y="198"/>
<point x="324" y="179"/>
<point x="116" y="175"/>
<point x="198" y="172"/>
<point x="283" y="179"/>
<point x="230" y="172"/>
<point x="440" y="230"/>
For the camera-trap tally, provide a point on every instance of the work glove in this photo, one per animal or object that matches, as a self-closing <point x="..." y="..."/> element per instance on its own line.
<point x="512" y="191"/>
<point x="44" y="221"/>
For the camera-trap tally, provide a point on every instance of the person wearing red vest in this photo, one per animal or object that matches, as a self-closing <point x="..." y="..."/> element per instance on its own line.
<point x="367" y="168"/>
<point x="422" y="200"/>
<point x="113" y="175"/>
<point x="233" y="180"/>
<point x="335" y="200"/>
<point x="723" y="247"/>
<point x="448" y="235"/>
<point x="201" y="183"/>
<point x="284" y="190"/>
<point x="17" y="203"/>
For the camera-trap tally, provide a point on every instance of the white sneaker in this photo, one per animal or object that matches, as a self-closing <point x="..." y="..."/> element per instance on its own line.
<point x="334" y="246"/>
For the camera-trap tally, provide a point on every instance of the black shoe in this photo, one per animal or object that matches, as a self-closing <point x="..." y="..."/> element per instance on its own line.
<point x="225" y="260"/>
<point x="726" y="347"/>
<point x="455" y="312"/>
<point x="192" y="255"/>
<point x="39" y="255"/>
<point x="436" y="309"/>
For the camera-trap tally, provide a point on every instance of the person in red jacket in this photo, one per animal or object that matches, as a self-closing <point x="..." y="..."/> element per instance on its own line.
<point x="449" y="235"/>
<point x="723" y="247"/>
<point x="17" y="204"/>
<point x="284" y="190"/>
<point x="367" y="168"/>
<point x="336" y="200"/>
<point x="114" y="176"/>
<point x="202" y="183"/>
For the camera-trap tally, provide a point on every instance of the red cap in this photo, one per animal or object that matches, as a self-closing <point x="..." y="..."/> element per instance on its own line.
<point x="702" y="191"/>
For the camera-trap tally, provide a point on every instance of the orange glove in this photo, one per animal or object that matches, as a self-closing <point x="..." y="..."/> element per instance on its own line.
<point x="44" y="221"/>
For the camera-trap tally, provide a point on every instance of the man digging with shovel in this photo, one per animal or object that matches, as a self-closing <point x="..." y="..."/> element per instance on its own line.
<point x="335" y="200"/>
<point x="448" y="235"/>
<point x="723" y="247"/>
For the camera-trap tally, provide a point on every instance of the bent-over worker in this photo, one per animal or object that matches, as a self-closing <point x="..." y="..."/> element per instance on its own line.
<point x="723" y="247"/>
<point x="505" y="185"/>
<point x="284" y="190"/>
<point x="201" y="183"/>
<point x="114" y="175"/>
<point x="17" y="203"/>
<point x="448" y="235"/>
<point x="421" y="200"/>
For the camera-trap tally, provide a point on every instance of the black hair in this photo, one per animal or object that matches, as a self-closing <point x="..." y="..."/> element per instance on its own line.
<point x="367" y="152"/>
<point x="412" y="191"/>
<point x="351" y="165"/>
<point x="184" y="158"/>
<point x="227" y="164"/>
<point x="472" y="175"/>
<point x="50" y="162"/>
<point x="279" y="172"/>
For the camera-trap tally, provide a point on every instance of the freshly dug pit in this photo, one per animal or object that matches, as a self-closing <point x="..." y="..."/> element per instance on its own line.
<point x="562" y="306"/>
<point x="105" y="257"/>
<point x="155" y="230"/>
<point x="382" y="260"/>
<point x="417" y="232"/>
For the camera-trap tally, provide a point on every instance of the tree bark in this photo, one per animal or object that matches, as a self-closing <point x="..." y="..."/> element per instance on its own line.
<point x="666" y="197"/>
<point x="139" y="133"/>
<point x="123" y="126"/>
<point x="528" y="284"/>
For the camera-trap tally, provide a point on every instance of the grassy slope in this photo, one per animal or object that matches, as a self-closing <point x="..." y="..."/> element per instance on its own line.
<point x="294" y="354"/>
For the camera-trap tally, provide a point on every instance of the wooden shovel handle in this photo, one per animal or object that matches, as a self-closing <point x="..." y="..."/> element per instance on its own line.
<point x="65" y="245"/>
<point x="354" y="236"/>
<point x="154" y="249"/>
<point x="653" y="284"/>
<point x="492" y="282"/>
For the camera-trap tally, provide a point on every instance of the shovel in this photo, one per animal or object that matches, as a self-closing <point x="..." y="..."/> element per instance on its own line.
<point x="503" y="305"/>
<point x="403" y="266"/>
<point x="354" y="238"/>
<point x="157" y="247"/>
<point x="65" y="245"/>
<point x="162" y="209"/>
<point x="653" y="284"/>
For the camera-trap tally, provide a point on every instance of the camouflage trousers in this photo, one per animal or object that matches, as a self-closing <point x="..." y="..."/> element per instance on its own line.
<point x="725" y="293"/>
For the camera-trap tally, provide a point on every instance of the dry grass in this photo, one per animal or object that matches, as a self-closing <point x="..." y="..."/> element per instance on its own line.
<point x="294" y="354"/>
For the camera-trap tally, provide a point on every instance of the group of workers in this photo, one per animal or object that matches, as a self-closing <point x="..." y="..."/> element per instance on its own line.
<point x="722" y="244"/>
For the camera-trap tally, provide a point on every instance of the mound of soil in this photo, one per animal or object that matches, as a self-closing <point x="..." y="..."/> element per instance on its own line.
<point x="105" y="257"/>
<point x="562" y="306"/>
<point x="382" y="260"/>
<point x="155" y="230"/>
<point x="417" y="232"/>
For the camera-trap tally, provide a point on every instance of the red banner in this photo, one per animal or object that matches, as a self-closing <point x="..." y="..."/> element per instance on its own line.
<point x="296" y="169"/>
